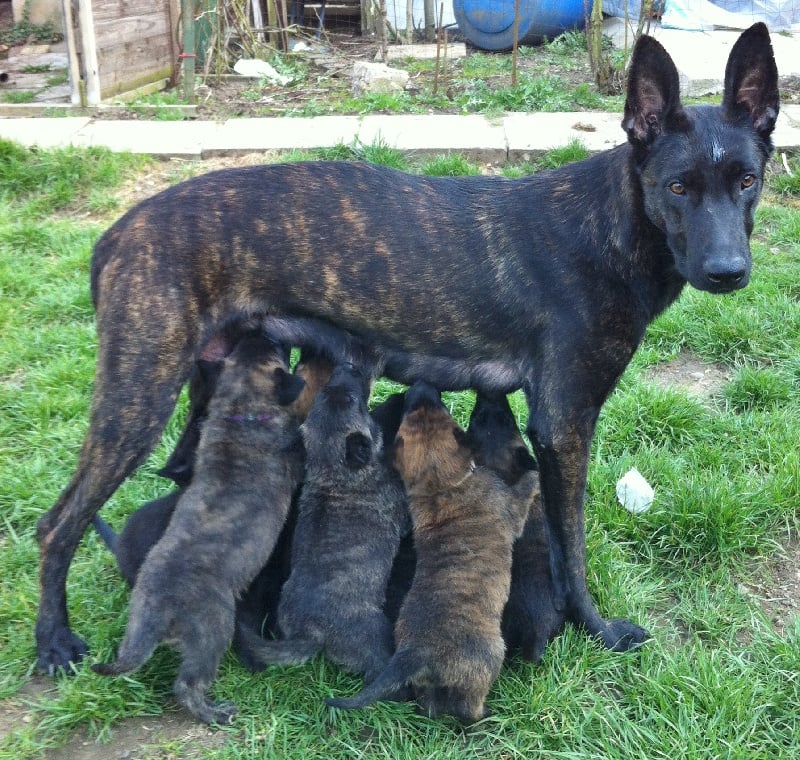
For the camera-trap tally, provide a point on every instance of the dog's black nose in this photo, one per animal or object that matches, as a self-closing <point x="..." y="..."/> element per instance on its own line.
<point x="727" y="278"/>
<point x="728" y="275"/>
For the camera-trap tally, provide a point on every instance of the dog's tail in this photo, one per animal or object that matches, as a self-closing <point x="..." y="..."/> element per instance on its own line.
<point x="106" y="533"/>
<point x="256" y="653"/>
<point x="141" y="638"/>
<point x="403" y="666"/>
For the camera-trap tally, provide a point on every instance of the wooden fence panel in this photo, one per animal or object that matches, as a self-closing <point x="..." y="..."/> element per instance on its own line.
<point x="135" y="43"/>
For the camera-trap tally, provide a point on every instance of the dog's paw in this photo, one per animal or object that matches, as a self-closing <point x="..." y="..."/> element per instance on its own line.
<point x="213" y="713"/>
<point x="223" y="713"/>
<point x="63" y="650"/>
<point x="621" y="635"/>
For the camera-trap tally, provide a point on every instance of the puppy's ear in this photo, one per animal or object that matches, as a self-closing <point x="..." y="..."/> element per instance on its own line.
<point x="523" y="459"/>
<point x="179" y="468"/>
<point x="207" y="371"/>
<point x="653" y="101"/>
<point x="288" y="386"/>
<point x="462" y="438"/>
<point x="357" y="451"/>
<point x="751" y="80"/>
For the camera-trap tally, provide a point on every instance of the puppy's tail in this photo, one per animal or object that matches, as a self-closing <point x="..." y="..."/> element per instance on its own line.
<point x="256" y="653"/>
<point x="403" y="666"/>
<point x="106" y="533"/>
<point x="139" y="643"/>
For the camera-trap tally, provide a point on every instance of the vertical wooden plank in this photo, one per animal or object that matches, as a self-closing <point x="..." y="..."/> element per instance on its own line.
<point x="89" y="46"/>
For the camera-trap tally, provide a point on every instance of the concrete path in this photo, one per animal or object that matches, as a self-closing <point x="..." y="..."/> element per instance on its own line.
<point x="512" y="137"/>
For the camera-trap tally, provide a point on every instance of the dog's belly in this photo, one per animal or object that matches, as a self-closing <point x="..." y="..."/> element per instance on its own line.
<point x="452" y="367"/>
<point x="447" y="373"/>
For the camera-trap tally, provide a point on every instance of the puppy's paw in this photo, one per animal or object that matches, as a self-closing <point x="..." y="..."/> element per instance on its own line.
<point x="223" y="713"/>
<point x="621" y="635"/>
<point x="213" y="713"/>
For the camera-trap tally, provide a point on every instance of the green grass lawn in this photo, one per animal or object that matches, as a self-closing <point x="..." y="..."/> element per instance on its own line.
<point x="719" y="679"/>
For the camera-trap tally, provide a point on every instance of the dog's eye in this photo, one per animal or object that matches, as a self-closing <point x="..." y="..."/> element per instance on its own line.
<point x="748" y="181"/>
<point x="677" y="188"/>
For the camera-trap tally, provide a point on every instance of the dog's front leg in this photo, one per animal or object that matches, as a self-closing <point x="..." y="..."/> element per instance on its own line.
<point x="562" y="444"/>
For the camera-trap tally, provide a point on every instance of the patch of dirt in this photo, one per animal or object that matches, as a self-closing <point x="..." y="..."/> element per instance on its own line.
<point x="687" y="371"/>
<point x="162" y="737"/>
<point x="775" y="585"/>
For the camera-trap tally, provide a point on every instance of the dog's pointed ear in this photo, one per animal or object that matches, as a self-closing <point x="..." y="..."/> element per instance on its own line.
<point x="751" y="80"/>
<point x="288" y="385"/>
<point x="653" y="100"/>
<point x="357" y="451"/>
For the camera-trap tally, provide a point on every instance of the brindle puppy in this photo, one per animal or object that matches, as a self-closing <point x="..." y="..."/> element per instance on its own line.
<point x="224" y="527"/>
<point x="465" y="520"/>
<point x="352" y="514"/>
<point x="530" y="618"/>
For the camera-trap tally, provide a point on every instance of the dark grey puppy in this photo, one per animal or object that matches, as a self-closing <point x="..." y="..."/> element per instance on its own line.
<point x="530" y="617"/>
<point x="224" y="526"/>
<point x="352" y="513"/>
<point x="465" y="520"/>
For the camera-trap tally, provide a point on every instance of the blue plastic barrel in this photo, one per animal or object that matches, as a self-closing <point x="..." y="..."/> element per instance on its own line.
<point x="489" y="24"/>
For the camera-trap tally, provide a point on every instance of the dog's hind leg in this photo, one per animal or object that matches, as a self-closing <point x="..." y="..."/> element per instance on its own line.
<point x="364" y="645"/>
<point x="201" y="658"/>
<point x="128" y="416"/>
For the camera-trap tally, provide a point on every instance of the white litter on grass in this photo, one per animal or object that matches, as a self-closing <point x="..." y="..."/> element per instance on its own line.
<point x="258" y="69"/>
<point x="634" y="492"/>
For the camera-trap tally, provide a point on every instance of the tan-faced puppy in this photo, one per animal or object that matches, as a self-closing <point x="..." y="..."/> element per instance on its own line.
<point x="530" y="618"/>
<point x="465" y="520"/>
<point x="352" y="514"/>
<point x="224" y="526"/>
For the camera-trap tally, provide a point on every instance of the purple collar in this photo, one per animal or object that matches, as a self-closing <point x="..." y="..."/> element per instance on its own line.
<point x="246" y="418"/>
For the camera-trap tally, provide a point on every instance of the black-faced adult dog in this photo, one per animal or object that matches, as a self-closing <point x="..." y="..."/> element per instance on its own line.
<point x="351" y="515"/>
<point x="546" y="282"/>
<point x="530" y="617"/>
<point x="465" y="520"/>
<point x="224" y="526"/>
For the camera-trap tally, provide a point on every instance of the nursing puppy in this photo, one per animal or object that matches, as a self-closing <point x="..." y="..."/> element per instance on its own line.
<point x="352" y="514"/>
<point x="257" y="609"/>
<point x="530" y="618"/>
<point x="465" y="519"/>
<point x="224" y="526"/>
<point x="148" y="523"/>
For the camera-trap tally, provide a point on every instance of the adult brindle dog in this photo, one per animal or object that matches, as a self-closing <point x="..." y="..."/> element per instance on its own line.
<point x="546" y="282"/>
